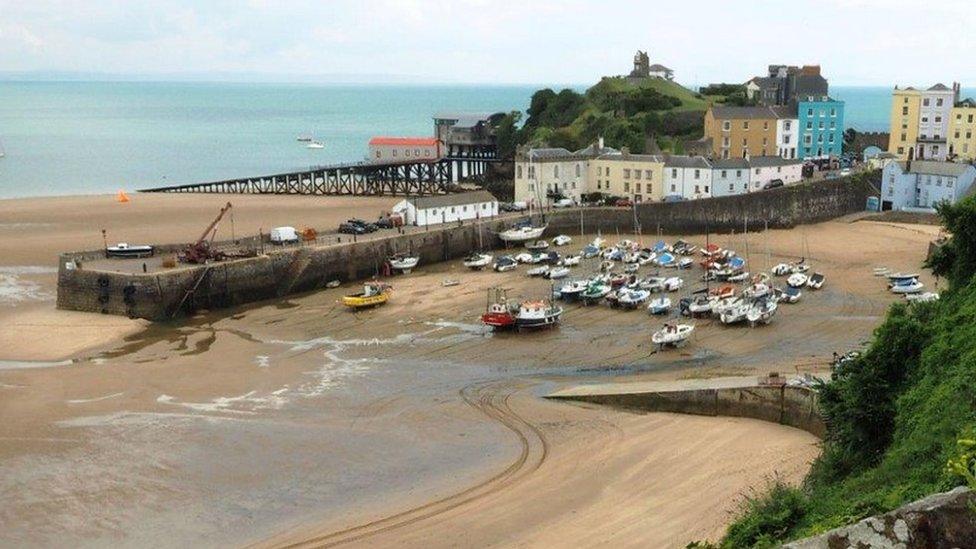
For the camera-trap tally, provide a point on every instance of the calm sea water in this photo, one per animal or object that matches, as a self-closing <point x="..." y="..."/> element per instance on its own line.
<point x="91" y="137"/>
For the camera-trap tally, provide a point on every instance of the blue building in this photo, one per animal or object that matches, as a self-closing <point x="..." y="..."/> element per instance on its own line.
<point x="821" y="127"/>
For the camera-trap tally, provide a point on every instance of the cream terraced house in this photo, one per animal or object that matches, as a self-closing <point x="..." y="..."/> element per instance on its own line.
<point x="688" y="177"/>
<point x="638" y="177"/>
<point x="542" y="174"/>
<point x="962" y="131"/>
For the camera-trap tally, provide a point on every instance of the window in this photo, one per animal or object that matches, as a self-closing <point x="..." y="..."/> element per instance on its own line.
<point x="697" y="190"/>
<point x="830" y="138"/>
<point x="648" y="174"/>
<point x="637" y="174"/>
<point x="787" y="125"/>
<point x="757" y="171"/>
<point x="574" y="184"/>
<point x="697" y="174"/>
<point x="738" y="173"/>
<point x="833" y="112"/>
<point x="638" y="188"/>
<point x="731" y="187"/>
<point x="938" y="102"/>
<point x="765" y="125"/>
<point x="626" y="173"/>
<point x="904" y="136"/>
<point x="925" y="102"/>
<point x="394" y="153"/>
<point x="726" y="126"/>
<point x="626" y="186"/>
<point x="531" y="187"/>
<point x="809" y="125"/>
<point x="673" y="188"/>
<point x="452" y="209"/>
<point x="904" y="110"/>
<point x="706" y="189"/>
<point x="377" y="154"/>
<point x="555" y="171"/>
<point x="724" y="173"/>
<point x="674" y="173"/>
<point x="786" y="140"/>
<point x="821" y="125"/>
<point x="531" y="172"/>
<point x="925" y="119"/>
<point x="427" y="153"/>
<point x="416" y="152"/>
<point x="406" y="152"/>
<point x="810" y="113"/>
<point x="765" y="141"/>
<point x="608" y="171"/>
<point x="465" y="208"/>
<point x="518" y="172"/>
<point x="745" y="125"/>
<point x="938" y="119"/>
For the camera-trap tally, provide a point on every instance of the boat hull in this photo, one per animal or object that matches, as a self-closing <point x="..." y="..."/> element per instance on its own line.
<point x="361" y="302"/>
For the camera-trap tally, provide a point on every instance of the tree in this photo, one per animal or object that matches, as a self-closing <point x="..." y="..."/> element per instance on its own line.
<point x="508" y="135"/>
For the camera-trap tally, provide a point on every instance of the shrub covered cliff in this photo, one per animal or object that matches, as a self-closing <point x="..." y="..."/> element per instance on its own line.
<point x="894" y="415"/>
<point x="645" y="116"/>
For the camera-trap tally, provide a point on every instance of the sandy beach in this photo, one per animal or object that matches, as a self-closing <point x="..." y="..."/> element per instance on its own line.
<point x="297" y="422"/>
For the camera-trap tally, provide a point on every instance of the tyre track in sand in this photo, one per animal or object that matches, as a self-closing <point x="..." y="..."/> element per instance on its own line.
<point x="491" y="399"/>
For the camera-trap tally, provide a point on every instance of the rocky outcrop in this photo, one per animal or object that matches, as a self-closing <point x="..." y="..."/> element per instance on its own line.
<point x="939" y="521"/>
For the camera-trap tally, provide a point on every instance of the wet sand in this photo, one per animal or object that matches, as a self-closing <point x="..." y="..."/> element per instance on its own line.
<point x="297" y="421"/>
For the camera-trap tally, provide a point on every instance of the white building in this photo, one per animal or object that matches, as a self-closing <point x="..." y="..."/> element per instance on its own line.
<point x="404" y="149"/>
<point x="924" y="183"/>
<point x="689" y="177"/>
<point x="447" y="208"/>
<point x="933" y="124"/>
<point x="765" y="170"/>
<point x="787" y="132"/>
<point x="730" y="176"/>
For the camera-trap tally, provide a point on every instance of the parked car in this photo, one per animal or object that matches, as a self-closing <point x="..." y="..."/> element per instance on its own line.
<point x="366" y="226"/>
<point x="390" y="221"/>
<point x="563" y="203"/>
<point x="674" y="198"/>
<point x="351" y="228"/>
<point x="773" y="184"/>
<point x="623" y="203"/>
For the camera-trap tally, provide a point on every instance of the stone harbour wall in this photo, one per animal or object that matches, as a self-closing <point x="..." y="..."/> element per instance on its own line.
<point x="282" y="271"/>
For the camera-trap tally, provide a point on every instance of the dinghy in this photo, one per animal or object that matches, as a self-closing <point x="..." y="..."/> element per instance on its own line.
<point x="653" y="283"/>
<point x="561" y="240"/>
<point x="590" y="252"/>
<point x="816" y="281"/>
<point x="631" y="268"/>
<point x="901" y="277"/>
<point x="659" y="305"/>
<point x="761" y="312"/>
<point x="524" y="257"/>
<point x="711" y="250"/>
<point x="723" y="292"/>
<point x="505" y="263"/>
<point x="799" y="267"/>
<point x="734" y="312"/>
<point x="698" y="305"/>
<point x="631" y="298"/>
<point x="542" y="270"/>
<point x="740" y="277"/>
<point x="537" y="314"/>
<point x="606" y="266"/>
<point x="123" y="249"/>
<point x="756" y="290"/>
<point x="922" y="298"/>
<point x="572" y="260"/>
<point x="404" y="263"/>
<point x="629" y="257"/>
<point x="672" y="335"/>
<point x="882" y="271"/>
<point x="595" y="291"/>
<point x="613" y="254"/>
<point x="666" y="260"/>
<point x="626" y="245"/>
<point x="539" y="257"/>
<point x="557" y="272"/>
<point x="673" y="284"/>
<point x="659" y="247"/>
<point x="618" y="279"/>
<point x="373" y="294"/>
<point x="645" y="256"/>
<point x="572" y="290"/>
<point x="797" y="280"/>
<point x="598" y="242"/>
<point x="782" y="269"/>
<point x="537" y="245"/>
<point x="477" y="261"/>
<point x="522" y="234"/>
<point x="790" y="295"/>
<point x="685" y="263"/>
<point x="911" y="286"/>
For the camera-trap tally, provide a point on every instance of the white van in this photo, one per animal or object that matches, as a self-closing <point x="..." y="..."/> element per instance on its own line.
<point x="282" y="235"/>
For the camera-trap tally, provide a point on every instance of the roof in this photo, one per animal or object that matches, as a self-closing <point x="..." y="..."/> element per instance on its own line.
<point x="742" y="113"/>
<point x="772" y="161"/>
<point x="656" y="67"/>
<point x="404" y="141"/>
<point x="548" y="154"/>
<point x="764" y="82"/>
<point x="453" y="199"/>
<point x="968" y="102"/>
<point x="932" y="167"/>
<point x="465" y="119"/>
<point x="616" y="157"/>
<point x="939" y="87"/>
<point x="681" y="161"/>
<point x="784" y="112"/>
<point x="595" y="150"/>
<point x="730" y="164"/>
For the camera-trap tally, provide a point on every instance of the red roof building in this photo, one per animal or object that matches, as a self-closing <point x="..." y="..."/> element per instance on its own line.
<point x="387" y="150"/>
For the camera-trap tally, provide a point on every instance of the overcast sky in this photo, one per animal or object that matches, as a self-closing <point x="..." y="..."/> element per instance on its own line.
<point x="869" y="42"/>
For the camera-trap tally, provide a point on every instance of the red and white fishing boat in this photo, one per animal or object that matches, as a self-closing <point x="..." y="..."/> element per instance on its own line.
<point x="499" y="313"/>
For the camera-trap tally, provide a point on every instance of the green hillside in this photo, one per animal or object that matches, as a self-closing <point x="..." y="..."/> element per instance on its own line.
<point x="653" y="114"/>
<point x="901" y="418"/>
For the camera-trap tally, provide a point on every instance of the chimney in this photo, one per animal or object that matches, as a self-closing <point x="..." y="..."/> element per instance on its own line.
<point x="956" y="89"/>
<point x="600" y="142"/>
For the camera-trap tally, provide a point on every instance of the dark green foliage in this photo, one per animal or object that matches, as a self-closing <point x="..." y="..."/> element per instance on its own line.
<point x="554" y="110"/>
<point x="894" y="415"/>
<point x="739" y="99"/>
<point x="766" y="518"/>
<point x="722" y="89"/>
<point x="957" y="258"/>
<point x="508" y="134"/>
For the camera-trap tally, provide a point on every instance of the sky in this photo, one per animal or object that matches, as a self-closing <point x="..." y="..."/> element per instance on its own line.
<point x="857" y="42"/>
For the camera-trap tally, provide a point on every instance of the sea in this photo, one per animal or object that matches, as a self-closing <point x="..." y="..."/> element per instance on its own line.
<point x="64" y="138"/>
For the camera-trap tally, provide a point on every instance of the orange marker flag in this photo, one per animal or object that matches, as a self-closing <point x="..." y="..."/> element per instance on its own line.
<point x="122" y="197"/>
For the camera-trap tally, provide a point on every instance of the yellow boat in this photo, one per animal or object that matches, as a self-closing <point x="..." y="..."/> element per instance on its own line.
<point x="373" y="294"/>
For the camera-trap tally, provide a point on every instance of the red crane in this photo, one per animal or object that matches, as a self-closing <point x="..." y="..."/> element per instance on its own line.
<point x="201" y="250"/>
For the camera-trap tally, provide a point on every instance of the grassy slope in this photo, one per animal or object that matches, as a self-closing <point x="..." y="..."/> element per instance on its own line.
<point x="933" y="396"/>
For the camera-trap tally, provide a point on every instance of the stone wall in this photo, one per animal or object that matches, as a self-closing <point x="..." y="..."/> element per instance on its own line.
<point x="939" y="521"/>
<point x="280" y="271"/>
<point x="792" y="406"/>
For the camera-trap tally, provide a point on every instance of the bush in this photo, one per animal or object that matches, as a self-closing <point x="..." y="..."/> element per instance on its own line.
<point x="766" y="517"/>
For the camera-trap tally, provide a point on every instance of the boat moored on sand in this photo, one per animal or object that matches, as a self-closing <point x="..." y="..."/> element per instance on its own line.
<point x="477" y="261"/>
<point x="672" y="334"/>
<point x="373" y="294"/>
<point x="522" y="234"/>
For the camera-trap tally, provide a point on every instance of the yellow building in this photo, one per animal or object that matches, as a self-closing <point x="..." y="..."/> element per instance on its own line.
<point x="638" y="177"/>
<point x="962" y="130"/>
<point x="906" y="105"/>
<point x="738" y="132"/>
